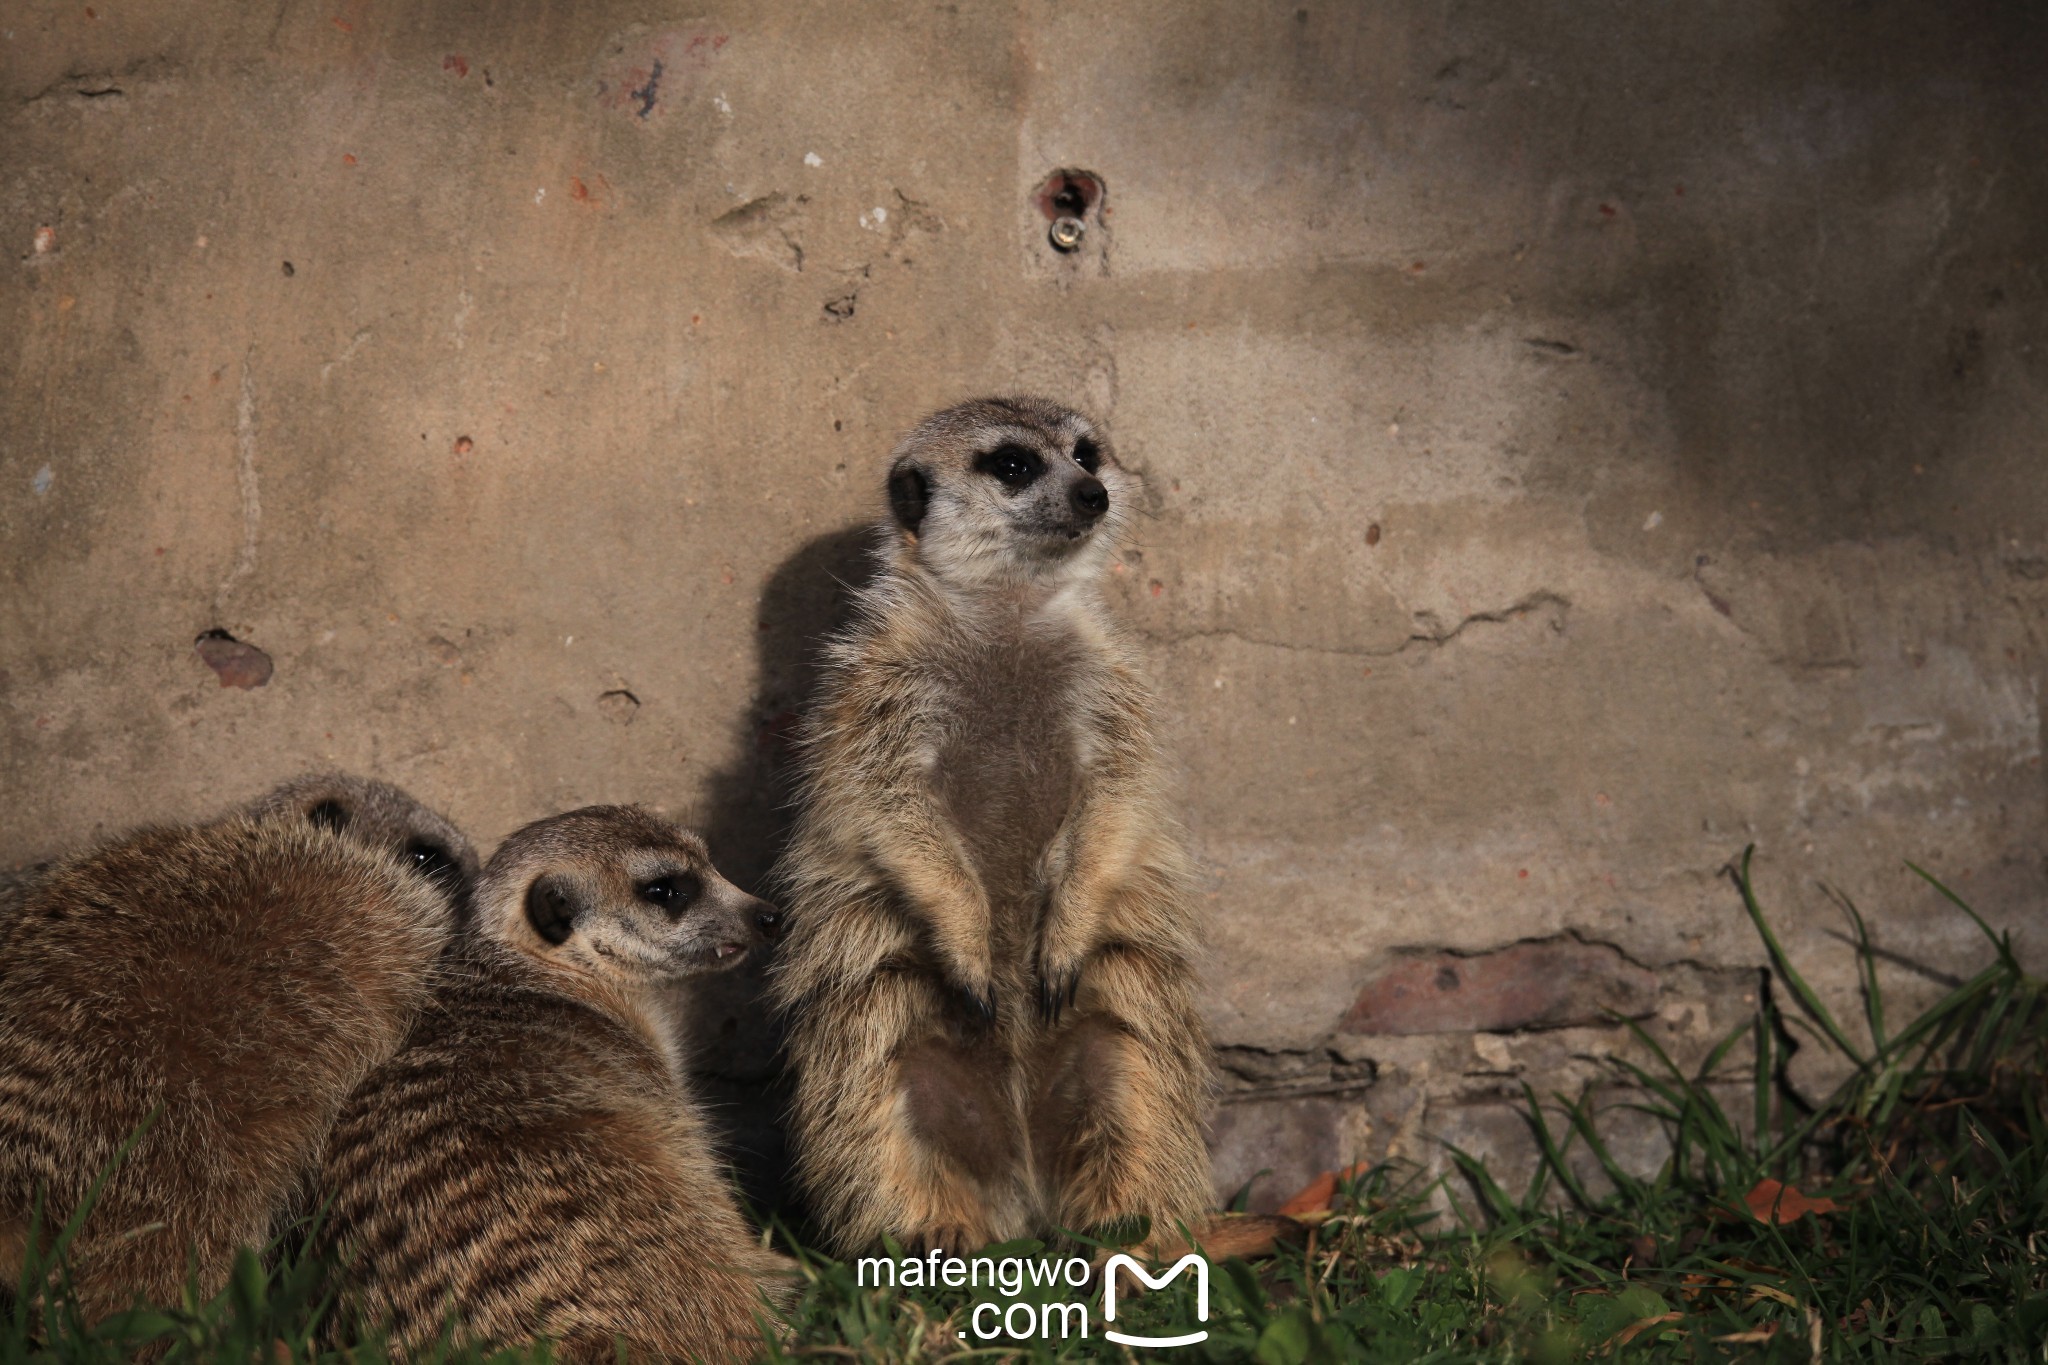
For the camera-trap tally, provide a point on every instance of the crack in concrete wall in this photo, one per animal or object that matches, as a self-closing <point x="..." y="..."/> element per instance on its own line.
<point x="1432" y="635"/>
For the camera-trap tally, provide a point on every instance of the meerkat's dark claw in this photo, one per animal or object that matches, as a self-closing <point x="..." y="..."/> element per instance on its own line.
<point x="981" y="1004"/>
<point x="1056" y="994"/>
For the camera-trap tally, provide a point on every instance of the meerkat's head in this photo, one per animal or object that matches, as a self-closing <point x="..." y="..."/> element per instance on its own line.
<point x="1009" y="492"/>
<point x="383" y="816"/>
<point x="618" y="894"/>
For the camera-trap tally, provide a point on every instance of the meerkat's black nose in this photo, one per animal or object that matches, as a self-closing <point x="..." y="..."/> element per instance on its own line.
<point x="770" y="921"/>
<point x="1090" y="498"/>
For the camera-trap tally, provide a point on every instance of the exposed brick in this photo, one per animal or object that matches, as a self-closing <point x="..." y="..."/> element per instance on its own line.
<point x="1545" y="984"/>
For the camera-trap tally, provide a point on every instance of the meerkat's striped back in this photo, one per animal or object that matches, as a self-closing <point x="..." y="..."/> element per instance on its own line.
<point x="229" y="983"/>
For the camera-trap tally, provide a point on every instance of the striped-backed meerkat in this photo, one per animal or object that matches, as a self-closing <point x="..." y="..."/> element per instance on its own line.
<point x="532" y="1160"/>
<point x="990" y="968"/>
<point x="228" y="984"/>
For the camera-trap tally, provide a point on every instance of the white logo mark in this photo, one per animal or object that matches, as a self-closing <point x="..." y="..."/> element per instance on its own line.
<point x="1201" y="1298"/>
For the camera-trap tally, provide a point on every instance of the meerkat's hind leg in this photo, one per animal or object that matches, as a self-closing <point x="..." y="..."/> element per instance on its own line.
<point x="1115" y="1122"/>
<point x="969" y="1148"/>
<point x="902" y="1120"/>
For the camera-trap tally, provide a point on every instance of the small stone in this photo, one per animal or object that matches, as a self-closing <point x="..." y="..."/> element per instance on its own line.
<point x="444" y="651"/>
<point x="618" y="706"/>
<point x="236" y="664"/>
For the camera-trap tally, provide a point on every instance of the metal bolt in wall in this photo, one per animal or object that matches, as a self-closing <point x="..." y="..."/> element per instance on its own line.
<point x="1067" y="198"/>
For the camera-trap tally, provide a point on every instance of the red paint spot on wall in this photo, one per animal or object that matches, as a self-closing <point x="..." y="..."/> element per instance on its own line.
<point x="579" y="191"/>
<point x="455" y="62"/>
<point x="344" y="25"/>
<point x="348" y="158"/>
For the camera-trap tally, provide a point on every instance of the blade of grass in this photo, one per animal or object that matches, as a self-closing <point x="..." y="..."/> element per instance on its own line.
<point x="1866" y="971"/>
<point x="1553" y="1155"/>
<point x="1808" y="1001"/>
<point x="2002" y="942"/>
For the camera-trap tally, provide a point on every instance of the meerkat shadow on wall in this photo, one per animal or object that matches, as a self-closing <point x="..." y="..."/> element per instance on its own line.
<point x="745" y="818"/>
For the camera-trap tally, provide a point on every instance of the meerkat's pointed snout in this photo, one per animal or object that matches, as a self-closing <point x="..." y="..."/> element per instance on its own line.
<point x="746" y="923"/>
<point x="1089" y="497"/>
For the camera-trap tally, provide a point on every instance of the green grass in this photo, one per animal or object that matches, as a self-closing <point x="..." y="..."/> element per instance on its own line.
<point x="1933" y="1151"/>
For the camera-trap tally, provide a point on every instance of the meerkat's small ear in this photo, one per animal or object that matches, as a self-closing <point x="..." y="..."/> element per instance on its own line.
<point x="908" y="493"/>
<point x="551" y="908"/>
<point x="329" y="815"/>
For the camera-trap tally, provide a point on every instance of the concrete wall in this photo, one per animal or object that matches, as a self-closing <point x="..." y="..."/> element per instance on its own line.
<point x="1582" y="440"/>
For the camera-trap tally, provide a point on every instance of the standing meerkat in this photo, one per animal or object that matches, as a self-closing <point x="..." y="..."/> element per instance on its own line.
<point x="229" y="983"/>
<point x="990" y="969"/>
<point x="532" y="1161"/>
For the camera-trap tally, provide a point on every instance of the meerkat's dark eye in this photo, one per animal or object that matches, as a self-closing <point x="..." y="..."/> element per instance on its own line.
<point x="432" y="861"/>
<point x="329" y="815"/>
<point x="1087" y="454"/>
<point x="673" y="893"/>
<point x="1011" y="465"/>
